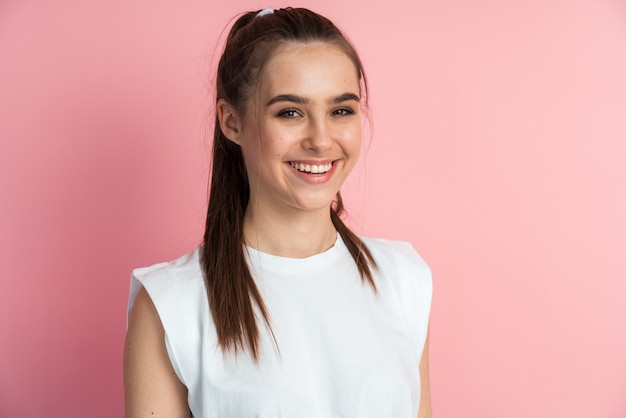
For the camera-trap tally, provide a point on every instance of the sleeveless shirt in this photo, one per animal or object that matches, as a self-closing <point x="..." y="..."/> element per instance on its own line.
<point x="338" y="348"/>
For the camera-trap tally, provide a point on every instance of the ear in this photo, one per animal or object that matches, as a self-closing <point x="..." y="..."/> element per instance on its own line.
<point x="229" y="120"/>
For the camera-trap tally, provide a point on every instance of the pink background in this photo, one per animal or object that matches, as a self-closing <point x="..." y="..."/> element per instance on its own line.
<point x="498" y="149"/>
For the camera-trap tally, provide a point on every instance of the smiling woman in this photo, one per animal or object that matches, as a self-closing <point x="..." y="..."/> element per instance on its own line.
<point x="269" y="316"/>
<point x="300" y="137"/>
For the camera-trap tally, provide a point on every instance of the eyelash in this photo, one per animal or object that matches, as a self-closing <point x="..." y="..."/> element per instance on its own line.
<point x="344" y="111"/>
<point x="293" y="113"/>
<point x="289" y="113"/>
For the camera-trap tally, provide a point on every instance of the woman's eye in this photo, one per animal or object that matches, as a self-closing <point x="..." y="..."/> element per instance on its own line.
<point x="344" y="111"/>
<point x="289" y="114"/>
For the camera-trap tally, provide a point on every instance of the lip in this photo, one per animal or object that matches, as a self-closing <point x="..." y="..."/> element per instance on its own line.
<point x="312" y="162"/>
<point x="313" y="178"/>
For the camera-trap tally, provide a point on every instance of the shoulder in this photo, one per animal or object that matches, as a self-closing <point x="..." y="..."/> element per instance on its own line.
<point x="400" y="269"/>
<point x="170" y="285"/>
<point x="172" y="271"/>
<point x="396" y="255"/>
<point x="404" y="279"/>
<point x="175" y="292"/>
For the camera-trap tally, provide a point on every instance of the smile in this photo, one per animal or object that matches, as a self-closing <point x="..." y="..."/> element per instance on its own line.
<point x="312" y="168"/>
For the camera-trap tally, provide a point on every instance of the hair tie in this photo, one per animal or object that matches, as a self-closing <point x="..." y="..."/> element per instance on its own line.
<point x="264" y="12"/>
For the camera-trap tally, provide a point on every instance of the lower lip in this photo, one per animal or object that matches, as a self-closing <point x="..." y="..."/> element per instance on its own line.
<point x="314" y="178"/>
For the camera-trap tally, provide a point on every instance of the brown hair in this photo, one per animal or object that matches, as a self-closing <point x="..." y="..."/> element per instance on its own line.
<point x="230" y="287"/>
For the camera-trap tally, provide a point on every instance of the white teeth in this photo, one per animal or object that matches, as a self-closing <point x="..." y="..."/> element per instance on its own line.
<point x="312" y="168"/>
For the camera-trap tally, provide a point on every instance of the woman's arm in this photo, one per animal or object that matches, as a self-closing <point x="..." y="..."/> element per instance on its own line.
<point x="425" y="410"/>
<point x="151" y="387"/>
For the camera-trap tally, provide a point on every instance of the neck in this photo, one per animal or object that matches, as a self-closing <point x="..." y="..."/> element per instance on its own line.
<point x="295" y="235"/>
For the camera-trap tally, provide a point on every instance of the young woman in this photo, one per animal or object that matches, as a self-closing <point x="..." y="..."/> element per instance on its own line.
<point x="282" y="311"/>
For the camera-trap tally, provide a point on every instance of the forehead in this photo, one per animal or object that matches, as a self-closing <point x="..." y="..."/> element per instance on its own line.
<point x="309" y="69"/>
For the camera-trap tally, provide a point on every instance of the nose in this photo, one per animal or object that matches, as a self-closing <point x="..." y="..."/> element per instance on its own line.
<point x="318" y="136"/>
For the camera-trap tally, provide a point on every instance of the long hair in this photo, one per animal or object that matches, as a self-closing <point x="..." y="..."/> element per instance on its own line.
<point x="231" y="290"/>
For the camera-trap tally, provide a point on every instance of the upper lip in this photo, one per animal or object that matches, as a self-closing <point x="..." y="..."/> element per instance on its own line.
<point x="312" y="162"/>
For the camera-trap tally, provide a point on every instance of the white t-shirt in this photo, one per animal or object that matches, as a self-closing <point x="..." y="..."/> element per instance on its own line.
<point x="342" y="350"/>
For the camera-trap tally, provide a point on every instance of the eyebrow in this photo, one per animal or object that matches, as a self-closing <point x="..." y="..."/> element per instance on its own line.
<point x="304" y="101"/>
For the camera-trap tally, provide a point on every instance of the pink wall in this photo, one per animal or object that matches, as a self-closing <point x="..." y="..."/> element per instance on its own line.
<point x="498" y="148"/>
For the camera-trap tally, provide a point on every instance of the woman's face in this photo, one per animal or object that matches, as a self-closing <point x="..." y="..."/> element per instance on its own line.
<point x="301" y="132"/>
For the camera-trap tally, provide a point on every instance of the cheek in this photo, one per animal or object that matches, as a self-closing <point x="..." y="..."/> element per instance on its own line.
<point x="274" y="144"/>
<point x="355" y="139"/>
